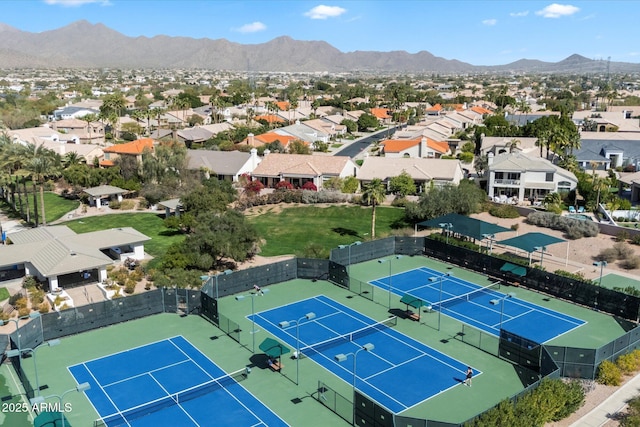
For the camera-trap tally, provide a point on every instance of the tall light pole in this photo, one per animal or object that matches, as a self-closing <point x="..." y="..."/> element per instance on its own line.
<point x="285" y="324"/>
<point x="501" y="302"/>
<point x="602" y="265"/>
<point x="40" y="399"/>
<point x="215" y="277"/>
<point x="19" y="353"/>
<point x="382" y="261"/>
<point x="253" y="313"/>
<point x="356" y="243"/>
<point x="32" y="315"/>
<point x="440" y="298"/>
<point x="446" y="226"/>
<point x="342" y="357"/>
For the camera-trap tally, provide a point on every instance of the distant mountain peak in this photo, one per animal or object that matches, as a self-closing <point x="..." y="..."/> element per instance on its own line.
<point x="8" y="28"/>
<point x="87" y="45"/>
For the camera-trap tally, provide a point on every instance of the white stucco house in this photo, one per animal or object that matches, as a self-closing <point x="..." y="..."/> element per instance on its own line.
<point x="518" y="177"/>
<point x="61" y="257"/>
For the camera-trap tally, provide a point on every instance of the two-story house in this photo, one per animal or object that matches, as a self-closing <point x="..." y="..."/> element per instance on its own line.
<point x="133" y="148"/>
<point x="518" y="177"/>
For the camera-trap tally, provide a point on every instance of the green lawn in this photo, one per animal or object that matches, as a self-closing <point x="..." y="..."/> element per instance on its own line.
<point x="55" y="206"/>
<point x="4" y="294"/>
<point x="147" y="223"/>
<point x="291" y="230"/>
<point x="287" y="231"/>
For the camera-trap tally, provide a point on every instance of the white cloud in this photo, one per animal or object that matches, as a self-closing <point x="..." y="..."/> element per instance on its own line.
<point x="519" y="14"/>
<point x="73" y="3"/>
<point x="324" y="12"/>
<point x="556" y="10"/>
<point x="254" y="27"/>
<point x="490" y="22"/>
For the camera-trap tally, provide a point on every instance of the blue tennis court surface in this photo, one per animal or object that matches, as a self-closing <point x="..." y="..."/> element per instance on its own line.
<point x="168" y="383"/>
<point x="485" y="309"/>
<point x="398" y="373"/>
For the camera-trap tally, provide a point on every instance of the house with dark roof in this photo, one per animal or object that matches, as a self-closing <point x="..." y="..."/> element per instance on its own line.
<point x="608" y="153"/>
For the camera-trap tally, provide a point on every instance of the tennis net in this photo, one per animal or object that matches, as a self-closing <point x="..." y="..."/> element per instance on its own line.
<point x="487" y="291"/>
<point x="136" y="412"/>
<point x="321" y="346"/>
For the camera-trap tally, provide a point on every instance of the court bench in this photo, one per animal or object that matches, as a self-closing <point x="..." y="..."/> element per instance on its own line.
<point x="413" y="316"/>
<point x="275" y="366"/>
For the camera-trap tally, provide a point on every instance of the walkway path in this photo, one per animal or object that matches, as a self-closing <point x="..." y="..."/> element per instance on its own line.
<point x="613" y="404"/>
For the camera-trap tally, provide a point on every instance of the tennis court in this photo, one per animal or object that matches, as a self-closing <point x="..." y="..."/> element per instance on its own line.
<point x="398" y="372"/>
<point x="482" y="307"/>
<point x="169" y="382"/>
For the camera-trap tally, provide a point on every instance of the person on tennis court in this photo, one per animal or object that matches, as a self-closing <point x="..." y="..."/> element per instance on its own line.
<point x="467" y="380"/>
<point x="258" y="290"/>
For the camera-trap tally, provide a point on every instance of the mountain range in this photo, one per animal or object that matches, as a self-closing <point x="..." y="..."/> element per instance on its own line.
<point x="85" y="45"/>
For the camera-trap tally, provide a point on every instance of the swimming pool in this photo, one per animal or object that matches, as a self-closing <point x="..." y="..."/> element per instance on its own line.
<point x="580" y="217"/>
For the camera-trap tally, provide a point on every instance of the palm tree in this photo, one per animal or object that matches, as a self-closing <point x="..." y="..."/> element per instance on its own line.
<point x="41" y="163"/>
<point x="89" y="118"/>
<point x="72" y="158"/>
<point x="373" y="193"/>
<point x="157" y="113"/>
<point x="513" y="145"/>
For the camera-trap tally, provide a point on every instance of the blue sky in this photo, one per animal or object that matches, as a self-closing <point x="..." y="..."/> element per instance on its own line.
<point x="479" y="32"/>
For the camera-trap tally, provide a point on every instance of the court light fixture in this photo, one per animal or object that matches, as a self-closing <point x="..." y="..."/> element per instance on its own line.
<point x="253" y="313"/>
<point x="285" y="324"/>
<point x="500" y="301"/>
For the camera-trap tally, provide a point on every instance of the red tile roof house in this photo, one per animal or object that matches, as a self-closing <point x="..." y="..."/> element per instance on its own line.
<point x="298" y="169"/>
<point x="382" y="114"/>
<point x="267" y="138"/>
<point x="421" y="147"/>
<point x="133" y="148"/>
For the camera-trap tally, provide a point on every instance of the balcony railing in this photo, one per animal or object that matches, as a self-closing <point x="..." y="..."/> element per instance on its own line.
<point x="507" y="181"/>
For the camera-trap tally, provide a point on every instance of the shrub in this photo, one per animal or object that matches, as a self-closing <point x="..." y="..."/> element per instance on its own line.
<point x="20" y="302"/>
<point x="127" y="204"/>
<point x="114" y="204"/>
<point x="553" y="400"/>
<point x="572" y="227"/>
<point x="622" y="236"/>
<point x="37" y="296"/>
<point x="399" y="202"/>
<point x="629" y="363"/>
<point x="609" y="374"/>
<point x="608" y="255"/>
<point x="309" y="186"/>
<point x="623" y="250"/>
<point x="636" y="239"/>
<point x="631" y="263"/>
<point x="44" y="307"/>
<point x="24" y="311"/>
<point x="29" y="282"/>
<point x="283" y="185"/>
<point x="504" y="211"/>
<point x="576" y="276"/>
<point x="130" y="286"/>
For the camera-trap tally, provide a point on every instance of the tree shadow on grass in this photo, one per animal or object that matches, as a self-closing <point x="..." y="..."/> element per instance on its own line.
<point x="169" y="233"/>
<point x="345" y="231"/>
